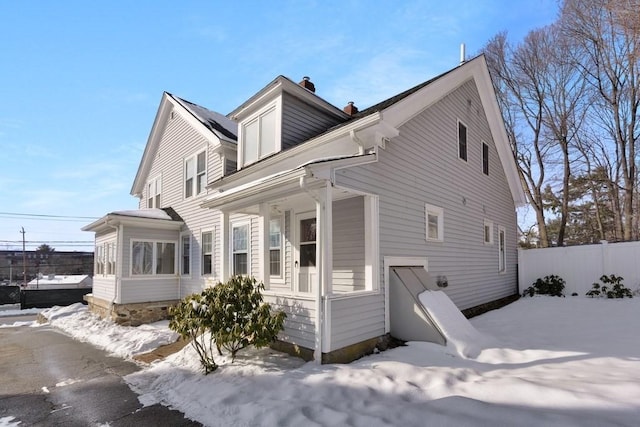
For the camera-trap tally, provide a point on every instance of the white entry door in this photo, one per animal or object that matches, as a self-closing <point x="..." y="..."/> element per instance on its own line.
<point x="305" y="259"/>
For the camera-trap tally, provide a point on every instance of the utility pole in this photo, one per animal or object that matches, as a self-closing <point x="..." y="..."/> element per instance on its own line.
<point x="24" y="258"/>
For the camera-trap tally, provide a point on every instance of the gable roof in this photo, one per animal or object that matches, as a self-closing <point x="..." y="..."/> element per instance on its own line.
<point x="284" y="84"/>
<point x="217" y="123"/>
<point x="211" y="125"/>
<point x="398" y="109"/>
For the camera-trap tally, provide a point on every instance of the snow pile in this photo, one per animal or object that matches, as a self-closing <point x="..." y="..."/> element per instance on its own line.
<point x="122" y="341"/>
<point x="460" y="334"/>
<point x="553" y="362"/>
<point x="569" y="362"/>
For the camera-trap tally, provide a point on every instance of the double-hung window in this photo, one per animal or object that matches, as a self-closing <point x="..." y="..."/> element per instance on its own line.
<point x="110" y="258"/>
<point x="502" y="254"/>
<point x="259" y="136"/>
<point x="154" y="188"/>
<point x="185" y="254"/>
<point x="207" y="253"/>
<point x="462" y="141"/>
<point x="434" y="223"/>
<point x="275" y="247"/>
<point x="99" y="259"/>
<point x="152" y="258"/>
<point x="488" y="232"/>
<point x="240" y="249"/>
<point x="195" y="174"/>
<point x="485" y="158"/>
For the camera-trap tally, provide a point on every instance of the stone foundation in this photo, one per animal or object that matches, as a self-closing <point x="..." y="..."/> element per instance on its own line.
<point x="134" y="314"/>
<point x="343" y="355"/>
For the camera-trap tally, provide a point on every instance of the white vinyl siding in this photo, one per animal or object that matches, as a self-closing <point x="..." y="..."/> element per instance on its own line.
<point x="415" y="168"/>
<point x="348" y="245"/>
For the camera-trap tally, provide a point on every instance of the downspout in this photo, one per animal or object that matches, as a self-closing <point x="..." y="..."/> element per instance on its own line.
<point x="118" y="259"/>
<point x="317" y="354"/>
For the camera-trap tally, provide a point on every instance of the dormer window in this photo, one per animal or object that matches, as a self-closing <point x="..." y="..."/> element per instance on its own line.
<point x="260" y="134"/>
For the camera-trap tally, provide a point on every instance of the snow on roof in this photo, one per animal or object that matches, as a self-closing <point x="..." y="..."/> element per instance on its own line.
<point x="219" y="124"/>
<point x="72" y="279"/>
<point x="151" y="213"/>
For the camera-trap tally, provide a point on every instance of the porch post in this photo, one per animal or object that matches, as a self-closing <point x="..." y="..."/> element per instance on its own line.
<point x="224" y="248"/>
<point x="264" y="239"/>
<point x="324" y="266"/>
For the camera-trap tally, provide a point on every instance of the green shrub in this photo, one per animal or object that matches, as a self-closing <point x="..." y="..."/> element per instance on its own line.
<point x="549" y="285"/>
<point x="611" y="287"/>
<point x="230" y="315"/>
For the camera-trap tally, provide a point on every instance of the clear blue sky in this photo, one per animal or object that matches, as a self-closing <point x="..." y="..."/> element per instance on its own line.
<point x="81" y="81"/>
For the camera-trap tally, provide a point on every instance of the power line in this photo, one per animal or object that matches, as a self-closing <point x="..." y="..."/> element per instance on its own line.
<point x="47" y="216"/>
<point x="47" y="241"/>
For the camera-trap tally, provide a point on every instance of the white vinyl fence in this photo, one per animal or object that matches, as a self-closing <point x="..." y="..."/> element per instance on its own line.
<point x="581" y="266"/>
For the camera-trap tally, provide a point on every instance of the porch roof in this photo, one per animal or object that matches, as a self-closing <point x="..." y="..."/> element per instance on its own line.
<point x="283" y="183"/>
<point x="165" y="218"/>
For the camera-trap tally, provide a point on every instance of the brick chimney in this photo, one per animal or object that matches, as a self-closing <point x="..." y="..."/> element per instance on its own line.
<point x="350" y="109"/>
<point x="307" y="84"/>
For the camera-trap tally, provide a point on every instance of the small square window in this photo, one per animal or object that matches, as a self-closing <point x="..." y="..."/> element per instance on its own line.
<point x="434" y="223"/>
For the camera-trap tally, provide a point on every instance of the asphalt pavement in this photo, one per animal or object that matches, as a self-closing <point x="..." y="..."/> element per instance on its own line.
<point x="50" y="379"/>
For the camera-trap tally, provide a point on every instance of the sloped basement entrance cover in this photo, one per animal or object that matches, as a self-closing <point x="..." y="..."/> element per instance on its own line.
<point x="409" y="319"/>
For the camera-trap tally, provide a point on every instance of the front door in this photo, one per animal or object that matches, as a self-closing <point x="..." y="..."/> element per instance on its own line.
<point x="305" y="260"/>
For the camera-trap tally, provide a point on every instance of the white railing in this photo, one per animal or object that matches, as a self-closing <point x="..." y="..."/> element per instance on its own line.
<point x="581" y="266"/>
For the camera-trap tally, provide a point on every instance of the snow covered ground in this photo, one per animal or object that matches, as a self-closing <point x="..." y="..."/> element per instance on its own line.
<point x="539" y="361"/>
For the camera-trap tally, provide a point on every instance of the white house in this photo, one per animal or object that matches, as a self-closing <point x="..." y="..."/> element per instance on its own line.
<point x="321" y="204"/>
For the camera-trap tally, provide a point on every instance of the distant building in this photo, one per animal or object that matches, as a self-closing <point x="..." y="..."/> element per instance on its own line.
<point x="53" y="281"/>
<point x="57" y="262"/>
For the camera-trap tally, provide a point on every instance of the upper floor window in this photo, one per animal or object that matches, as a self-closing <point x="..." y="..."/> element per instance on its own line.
<point x="488" y="232"/>
<point x="485" y="158"/>
<point x="435" y="223"/>
<point x="462" y="141"/>
<point x="259" y="136"/>
<point x="154" y="188"/>
<point x="195" y="174"/>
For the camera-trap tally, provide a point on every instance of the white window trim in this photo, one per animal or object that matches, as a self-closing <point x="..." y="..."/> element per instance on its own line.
<point x="279" y="218"/>
<point x="502" y="250"/>
<point x="439" y="212"/>
<point x="156" y="183"/>
<point x="277" y="107"/>
<point x="213" y="252"/>
<point x="458" y="123"/>
<point x="110" y="256"/>
<point x="194" y="184"/>
<point x="482" y="145"/>
<point x="232" y="225"/>
<point x="486" y="224"/>
<point x="153" y="258"/>
<point x="99" y="260"/>
<point x="181" y="255"/>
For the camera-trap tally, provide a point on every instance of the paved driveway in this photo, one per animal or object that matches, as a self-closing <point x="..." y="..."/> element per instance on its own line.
<point x="50" y="379"/>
